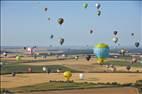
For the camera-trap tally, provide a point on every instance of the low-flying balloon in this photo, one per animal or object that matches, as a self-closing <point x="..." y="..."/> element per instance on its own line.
<point x="98" y="12"/>
<point x="123" y="51"/>
<point x="5" y="54"/>
<point x="25" y="48"/>
<point x="81" y="76"/>
<point x="18" y="58"/>
<point x="85" y="5"/>
<point x="115" y="39"/>
<point x="101" y="51"/>
<point x="134" y="60"/>
<point x="128" y="67"/>
<point x="88" y="57"/>
<point x="137" y="44"/>
<point x="60" y="21"/>
<point x="67" y="75"/>
<point x="98" y="5"/>
<point x="61" y="41"/>
<point x="44" y="69"/>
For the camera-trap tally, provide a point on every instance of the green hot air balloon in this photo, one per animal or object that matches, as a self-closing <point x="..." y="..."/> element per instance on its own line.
<point x="85" y="5"/>
<point x="102" y="52"/>
<point x="18" y="58"/>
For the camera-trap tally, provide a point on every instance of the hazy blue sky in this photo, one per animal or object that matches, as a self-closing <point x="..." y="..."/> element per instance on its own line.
<point x="26" y="23"/>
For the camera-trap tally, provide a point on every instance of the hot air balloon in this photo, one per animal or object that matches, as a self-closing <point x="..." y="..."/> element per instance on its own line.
<point x="81" y="76"/>
<point x="102" y="52"/>
<point x="61" y="41"/>
<point x="115" y="39"/>
<point x="128" y="67"/>
<point x="48" y="18"/>
<point x="137" y="44"/>
<point x="45" y="9"/>
<point x="85" y="5"/>
<point x="134" y="60"/>
<point x="132" y="34"/>
<point x="25" y="48"/>
<point x="51" y="36"/>
<point x="98" y="12"/>
<point x="5" y="54"/>
<point x="13" y="74"/>
<point x="88" y="57"/>
<point x="18" y="58"/>
<point x="29" y="69"/>
<point x="44" y="69"/>
<point x="98" y="5"/>
<point x="91" y="31"/>
<point x="115" y="32"/>
<point x="76" y="57"/>
<point x="67" y="75"/>
<point x="60" y="21"/>
<point x="123" y="51"/>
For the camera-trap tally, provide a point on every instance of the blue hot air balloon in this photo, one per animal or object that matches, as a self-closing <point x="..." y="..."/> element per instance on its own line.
<point x="102" y="52"/>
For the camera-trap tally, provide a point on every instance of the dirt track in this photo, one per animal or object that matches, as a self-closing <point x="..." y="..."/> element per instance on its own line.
<point x="126" y="90"/>
<point x="7" y="81"/>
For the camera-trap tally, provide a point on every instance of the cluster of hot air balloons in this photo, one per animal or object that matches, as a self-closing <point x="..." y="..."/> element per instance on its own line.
<point x="30" y="50"/>
<point x="98" y="5"/>
<point x="115" y="38"/>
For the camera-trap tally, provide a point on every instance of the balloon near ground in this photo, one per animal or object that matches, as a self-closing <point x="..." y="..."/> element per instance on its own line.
<point x="67" y="75"/>
<point x="18" y="58"/>
<point x="101" y="51"/>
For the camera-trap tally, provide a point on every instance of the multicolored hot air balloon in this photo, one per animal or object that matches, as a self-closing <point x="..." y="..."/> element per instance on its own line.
<point x="102" y="52"/>
<point x="67" y="75"/>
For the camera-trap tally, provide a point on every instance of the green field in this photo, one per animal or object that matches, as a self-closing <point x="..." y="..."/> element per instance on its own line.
<point x="19" y="68"/>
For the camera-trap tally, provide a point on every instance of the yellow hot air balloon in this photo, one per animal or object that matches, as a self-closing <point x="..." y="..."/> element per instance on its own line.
<point x="67" y="75"/>
<point x="18" y="58"/>
<point x="100" y="60"/>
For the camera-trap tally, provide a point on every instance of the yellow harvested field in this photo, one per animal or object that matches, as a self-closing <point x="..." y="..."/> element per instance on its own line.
<point x="126" y="90"/>
<point x="7" y="81"/>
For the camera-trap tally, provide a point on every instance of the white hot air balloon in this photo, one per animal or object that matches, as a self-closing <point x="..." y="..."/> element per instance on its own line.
<point x="81" y="76"/>
<point x="44" y="69"/>
<point x="115" y="39"/>
<point x="98" y="5"/>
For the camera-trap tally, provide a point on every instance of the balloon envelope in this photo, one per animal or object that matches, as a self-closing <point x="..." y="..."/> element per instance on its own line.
<point x="115" y="39"/>
<point x="115" y="32"/>
<point x="18" y="58"/>
<point x="137" y="44"/>
<point x="102" y="51"/>
<point x="85" y="5"/>
<point x="60" y="21"/>
<point x="98" y="5"/>
<point x="67" y="75"/>
<point x="98" y="12"/>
